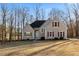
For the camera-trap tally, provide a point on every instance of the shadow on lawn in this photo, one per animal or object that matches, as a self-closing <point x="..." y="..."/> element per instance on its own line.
<point x="24" y="42"/>
<point x="15" y="43"/>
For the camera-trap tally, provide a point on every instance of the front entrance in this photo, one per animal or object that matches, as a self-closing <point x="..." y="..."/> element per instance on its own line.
<point x="36" y="34"/>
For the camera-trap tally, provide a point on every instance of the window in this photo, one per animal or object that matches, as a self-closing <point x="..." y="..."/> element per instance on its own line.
<point x="60" y="34"/>
<point x="50" y="34"/>
<point x="55" y="24"/>
<point x="43" y="30"/>
<point x="24" y="33"/>
<point x="53" y="34"/>
<point x="27" y="33"/>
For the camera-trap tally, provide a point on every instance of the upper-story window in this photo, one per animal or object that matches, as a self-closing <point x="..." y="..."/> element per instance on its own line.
<point x="43" y="30"/>
<point x="55" y="24"/>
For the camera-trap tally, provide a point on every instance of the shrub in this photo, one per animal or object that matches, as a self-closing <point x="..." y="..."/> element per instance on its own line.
<point x="56" y="38"/>
<point x="42" y="38"/>
<point x="61" y="38"/>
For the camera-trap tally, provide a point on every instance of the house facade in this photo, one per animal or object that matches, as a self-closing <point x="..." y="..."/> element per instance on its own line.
<point x="48" y="29"/>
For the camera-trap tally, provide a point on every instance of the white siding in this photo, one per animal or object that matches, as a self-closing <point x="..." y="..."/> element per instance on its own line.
<point x="48" y="28"/>
<point x="28" y="28"/>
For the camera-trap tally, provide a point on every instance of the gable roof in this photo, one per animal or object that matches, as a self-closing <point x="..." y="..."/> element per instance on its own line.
<point x="37" y="23"/>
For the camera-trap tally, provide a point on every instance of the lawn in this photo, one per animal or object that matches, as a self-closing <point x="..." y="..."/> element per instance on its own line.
<point x="16" y="43"/>
<point x="26" y="47"/>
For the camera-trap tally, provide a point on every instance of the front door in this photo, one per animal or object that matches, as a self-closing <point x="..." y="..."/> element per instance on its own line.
<point x="36" y="34"/>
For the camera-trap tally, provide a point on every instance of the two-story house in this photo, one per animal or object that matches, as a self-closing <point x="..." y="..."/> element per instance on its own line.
<point x="49" y="29"/>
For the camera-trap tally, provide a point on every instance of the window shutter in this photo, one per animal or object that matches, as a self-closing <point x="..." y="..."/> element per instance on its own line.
<point x="47" y="34"/>
<point x="53" y="34"/>
<point x="52" y="24"/>
<point x="58" y="24"/>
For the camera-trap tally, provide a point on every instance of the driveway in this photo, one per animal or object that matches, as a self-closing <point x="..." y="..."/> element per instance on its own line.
<point x="69" y="48"/>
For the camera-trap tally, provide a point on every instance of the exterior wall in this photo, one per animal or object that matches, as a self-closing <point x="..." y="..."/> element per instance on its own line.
<point x="49" y="28"/>
<point x="26" y="29"/>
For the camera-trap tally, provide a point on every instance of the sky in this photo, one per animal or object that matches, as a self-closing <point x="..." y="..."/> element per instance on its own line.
<point x="46" y="6"/>
<point x="31" y="6"/>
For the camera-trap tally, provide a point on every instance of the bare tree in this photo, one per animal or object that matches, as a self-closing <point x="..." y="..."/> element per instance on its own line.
<point x="23" y="13"/>
<point x="18" y="23"/>
<point x="70" y="20"/>
<point x="76" y="14"/>
<point x="55" y="14"/>
<point x="42" y="14"/>
<point x="4" y="18"/>
<point x="15" y="21"/>
<point x="37" y="12"/>
<point x="21" y="29"/>
<point x="24" y="17"/>
<point x="31" y="18"/>
<point x="11" y="26"/>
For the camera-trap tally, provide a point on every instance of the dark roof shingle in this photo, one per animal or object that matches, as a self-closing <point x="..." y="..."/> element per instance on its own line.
<point x="37" y="23"/>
